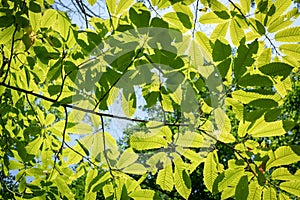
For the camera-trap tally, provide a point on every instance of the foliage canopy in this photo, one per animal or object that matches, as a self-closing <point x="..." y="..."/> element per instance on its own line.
<point x="223" y="90"/>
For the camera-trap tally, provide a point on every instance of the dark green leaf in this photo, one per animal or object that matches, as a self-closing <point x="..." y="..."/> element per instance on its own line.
<point x="222" y="14"/>
<point x="255" y="80"/>
<point x="276" y="69"/>
<point x="242" y="191"/>
<point x="221" y="51"/>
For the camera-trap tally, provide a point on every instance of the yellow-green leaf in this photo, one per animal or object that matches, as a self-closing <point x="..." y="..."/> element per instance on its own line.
<point x="288" y="35"/>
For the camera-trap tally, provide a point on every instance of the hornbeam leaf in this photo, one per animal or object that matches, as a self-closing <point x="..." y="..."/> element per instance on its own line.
<point x="220" y="31"/>
<point x="247" y="96"/>
<point x="182" y="179"/>
<point x="129" y="104"/>
<point x="244" y="58"/>
<point x="189" y="139"/>
<point x="242" y="190"/>
<point x="269" y="194"/>
<point x="284" y="174"/>
<point x="292" y="187"/>
<point x="165" y="176"/>
<point x="210" y="172"/>
<point x="221" y="51"/>
<point x="63" y="187"/>
<point x="268" y="129"/>
<point x="276" y="69"/>
<point x="231" y="178"/>
<point x="128" y="157"/>
<point x="290" y="49"/>
<point x="141" y="141"/>
<point x="135" y="168"/>
<point x="123" y="5"/>
<point x="205" y="43"/>
<point x="142" y="194"/>
<point x="288" y="35"/>
<point x="284" y="155"/>
<point x="236" y="32"/>
<point x="255" y="80"/>
<point x="255" y="191"/>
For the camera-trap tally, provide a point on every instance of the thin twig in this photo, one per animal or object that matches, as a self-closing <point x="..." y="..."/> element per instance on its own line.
<point x="254" y="27"/>
<point x="196" y="17"/>
<point x="153" y="8"/>
<point x="11" y="53"/>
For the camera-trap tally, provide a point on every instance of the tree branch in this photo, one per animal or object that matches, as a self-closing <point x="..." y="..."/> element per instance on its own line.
<point x="249" y="22"/>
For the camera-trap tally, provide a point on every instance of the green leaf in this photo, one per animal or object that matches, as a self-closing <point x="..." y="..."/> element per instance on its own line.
<point x="111" y="6"/>
<point x="284" y="155"/>
<point x="92" y="2"/>
<point x="128" y="157"/>
<point x="231" y="178"/>
<point x="182" y="179"/>
<point x="63" y="25"/>
<point x="139" y="15"/>
<point x="220" y="31"/>
<point x="165" y="176"/>
<point x="204" y="43"/>
<point x="6" y="34"/>
<point x="267" y="129"/>
<point x="222" y="14"/>
<point x="129" y="104"/>
<point x="140" y="141"/>
<point x="210" y="172"/>
<point x="269" y="194"/>
<point x="143" y="194"/>
<point x="255" y="191"/>
<point x="284" y="174"/>
<point x="242" y="190"/>
<point x="63" y="188"/>
<point x="49" y="18"/>
<point x="135" y="168"/>
<point x="260" y="28"/>
<point x="33" y="147"/>
<point x="79" y="128"/>
<point x="179" y="20"/>
<point x="288" y="35"/>
<point x="224" y="66"/>
<point x="292" y="187"/>
<point x="123" y="5"/>
<point x="90" y="176"/>
<point x="86" y="151"/>
<point x="244" y="58"/>
<point x="236" y="32"/>
<point x="221" y="51"/>
<point x="245" y="5"/>
<point x="262" y="5"/>
<point x="276" y="69"/>
<point x="98" y="182"/>
<point x="290" y="49"/>
<point x="210" y="18"/>
<point x="246" y="96"/>
<point x="255" y="80"/>
<point x="189" y="139"/>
